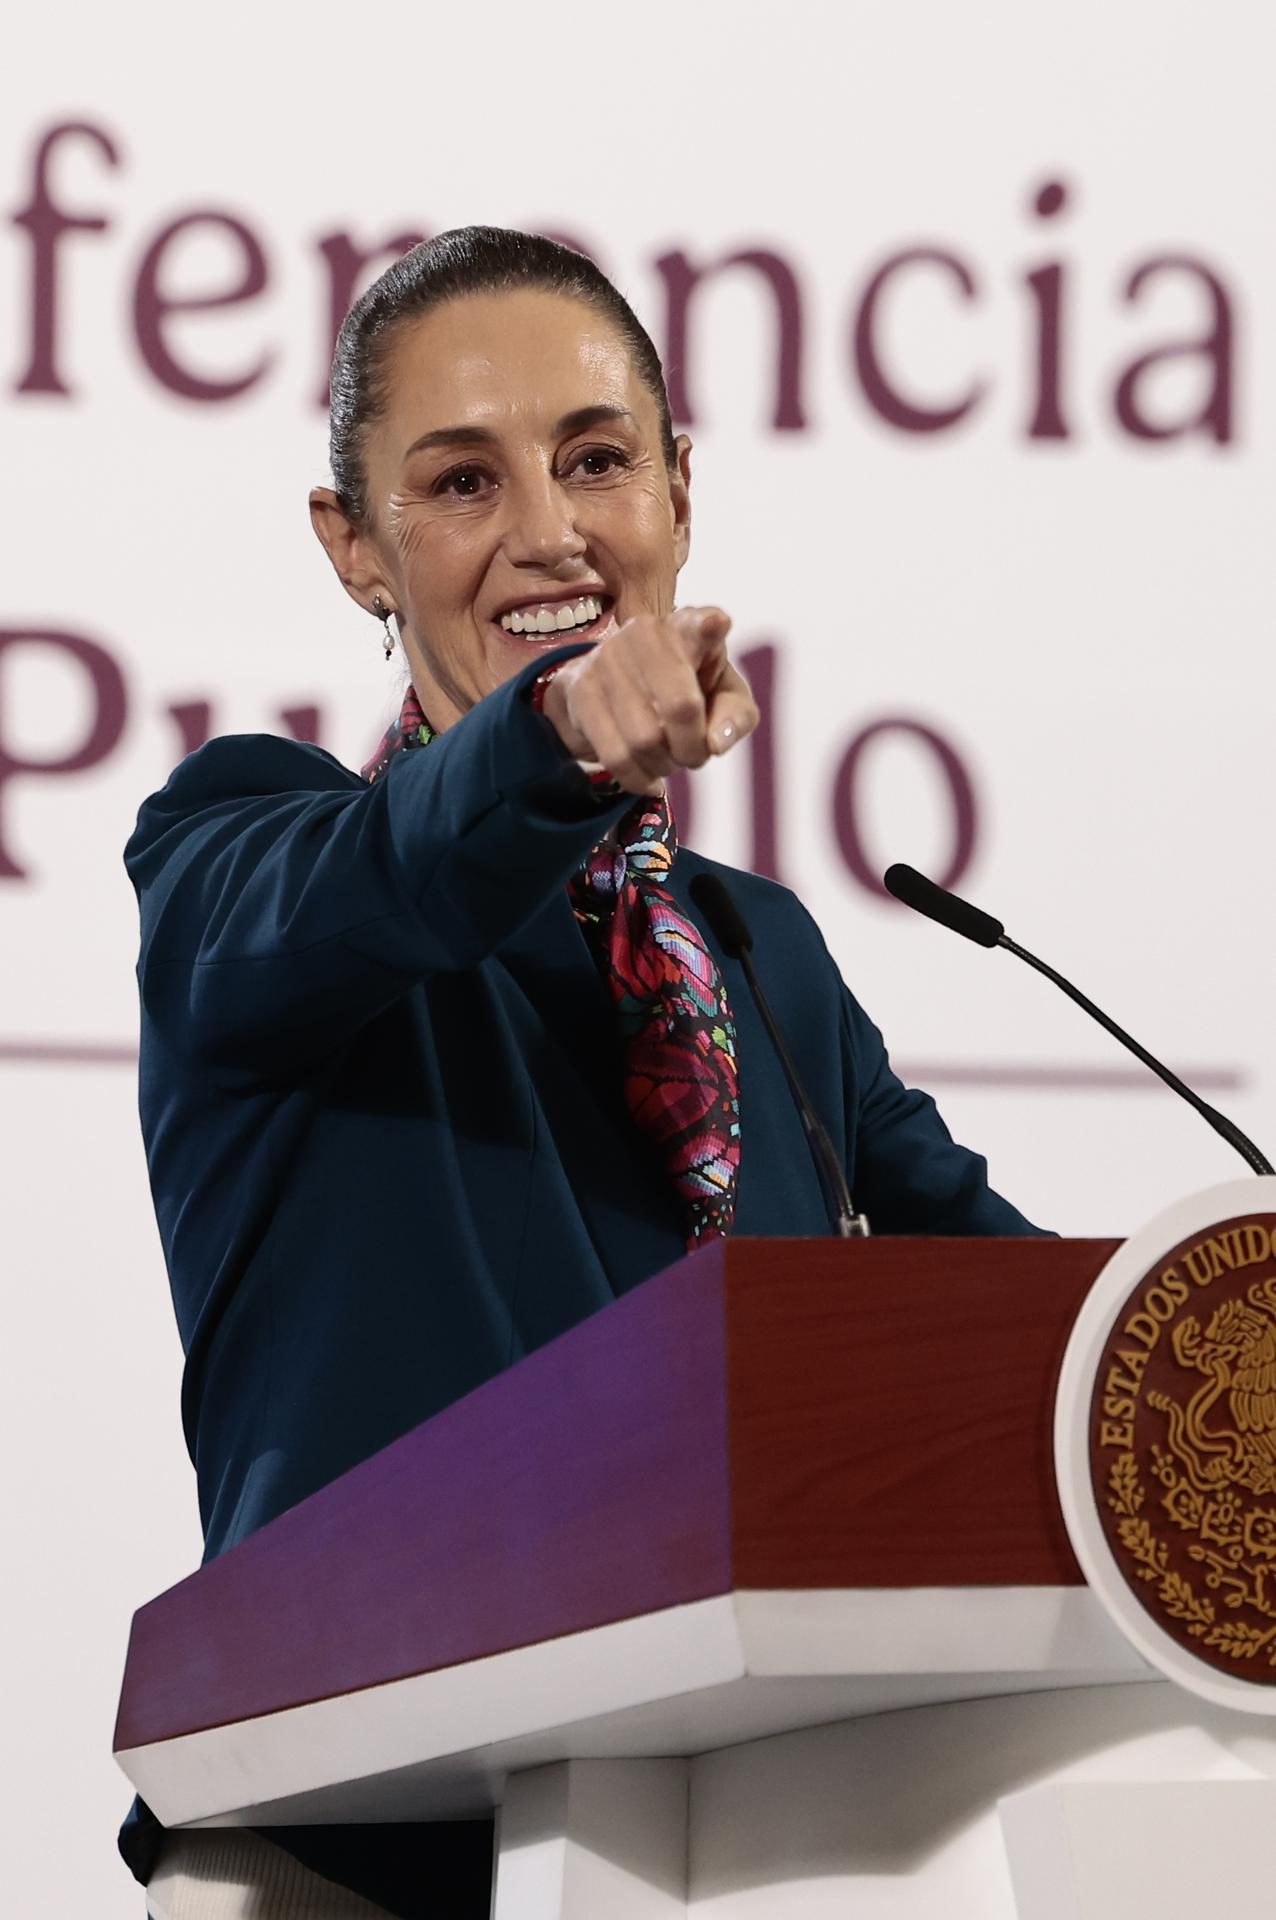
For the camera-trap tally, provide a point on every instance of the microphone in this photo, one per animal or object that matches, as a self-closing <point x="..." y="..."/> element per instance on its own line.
<point x="916" y="891"/>
<point x="733" y="936"/>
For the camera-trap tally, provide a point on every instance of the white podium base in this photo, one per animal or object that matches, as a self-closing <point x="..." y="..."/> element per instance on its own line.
<point x="1095" y="1803"/>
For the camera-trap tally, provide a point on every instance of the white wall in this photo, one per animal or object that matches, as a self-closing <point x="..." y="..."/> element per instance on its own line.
<point x="1084" y="618"/>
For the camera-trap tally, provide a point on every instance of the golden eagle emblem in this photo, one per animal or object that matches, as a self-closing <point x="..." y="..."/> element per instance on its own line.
<point x="1183" y="1447"/>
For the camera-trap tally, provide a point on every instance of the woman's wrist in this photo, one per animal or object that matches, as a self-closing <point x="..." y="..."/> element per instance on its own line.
<point x="549" y="696"/>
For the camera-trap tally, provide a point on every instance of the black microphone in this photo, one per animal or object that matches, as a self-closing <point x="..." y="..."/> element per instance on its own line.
<point x="916" y="891"/>
<point x="733" y="936"/>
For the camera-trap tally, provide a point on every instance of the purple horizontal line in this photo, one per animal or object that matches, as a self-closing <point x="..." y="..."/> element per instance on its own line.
<point x="949" y="1073"/>
<point x="1063" y="1079"/>
<point x="67" y="1053"/>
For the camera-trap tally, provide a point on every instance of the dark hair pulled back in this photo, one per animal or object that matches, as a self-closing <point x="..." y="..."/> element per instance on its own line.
<point x="466" y="260"/>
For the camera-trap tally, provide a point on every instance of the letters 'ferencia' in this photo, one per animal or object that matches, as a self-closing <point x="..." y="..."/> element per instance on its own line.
<point x="1145" y="399"/>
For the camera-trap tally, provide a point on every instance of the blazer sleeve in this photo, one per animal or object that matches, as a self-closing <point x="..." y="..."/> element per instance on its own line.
<point x="284" y="901"/>
<point x="910" y="1175"/>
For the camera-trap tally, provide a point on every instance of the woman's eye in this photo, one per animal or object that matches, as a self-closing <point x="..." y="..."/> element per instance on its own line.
<point x="464" y="482"/>
<point x="596" y="461"/>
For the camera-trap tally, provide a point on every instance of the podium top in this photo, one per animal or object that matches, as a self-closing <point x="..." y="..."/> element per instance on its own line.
<point x="770" y="1414"/>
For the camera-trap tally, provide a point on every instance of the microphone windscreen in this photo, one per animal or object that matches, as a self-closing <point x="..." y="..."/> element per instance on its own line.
<point x="720" y="910"/>
<point x="916" y="891"/>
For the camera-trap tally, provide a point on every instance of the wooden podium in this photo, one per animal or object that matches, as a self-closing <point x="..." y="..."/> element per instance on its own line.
<point x="750" y="1596"/>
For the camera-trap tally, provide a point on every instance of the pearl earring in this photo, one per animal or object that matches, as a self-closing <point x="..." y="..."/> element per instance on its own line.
<point x="383" y="615"/>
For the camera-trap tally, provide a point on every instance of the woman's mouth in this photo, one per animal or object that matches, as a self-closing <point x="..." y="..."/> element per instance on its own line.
<point x="560" y="620"/>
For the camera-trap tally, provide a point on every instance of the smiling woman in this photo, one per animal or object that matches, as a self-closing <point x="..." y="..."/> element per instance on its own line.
<point x="503" y="454"/>
<point x="492" y="528"/>
<point x="437" y="1059"/>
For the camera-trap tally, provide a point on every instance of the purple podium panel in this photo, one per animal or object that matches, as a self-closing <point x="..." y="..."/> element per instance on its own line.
<point x="785" y="1482"/>
<point x="587" y="1485"/>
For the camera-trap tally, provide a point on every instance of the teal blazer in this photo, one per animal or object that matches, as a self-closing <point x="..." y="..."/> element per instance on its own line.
<point x="382" y="1107"/>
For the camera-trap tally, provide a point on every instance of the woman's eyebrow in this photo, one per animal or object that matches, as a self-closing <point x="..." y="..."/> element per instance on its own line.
<point x="599" y="416"/>
<point x="576" y="422"/>
<point x="453" y="437"/>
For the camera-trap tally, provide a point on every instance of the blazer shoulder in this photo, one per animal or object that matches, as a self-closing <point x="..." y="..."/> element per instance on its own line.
<point x="768" y="902"/>
<point x="232" y="772"/>
<point x="243" y="766"/>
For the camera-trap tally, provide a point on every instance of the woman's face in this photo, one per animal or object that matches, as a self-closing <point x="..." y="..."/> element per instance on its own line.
<point x="516" y="483"/>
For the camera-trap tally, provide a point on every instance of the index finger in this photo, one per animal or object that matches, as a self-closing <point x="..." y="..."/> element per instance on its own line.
<point x="702" y="630"/>
<point x="731" y="710"/>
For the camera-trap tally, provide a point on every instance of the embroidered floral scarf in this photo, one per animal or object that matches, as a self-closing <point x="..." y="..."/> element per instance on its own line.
<point x="678" y="1043"/>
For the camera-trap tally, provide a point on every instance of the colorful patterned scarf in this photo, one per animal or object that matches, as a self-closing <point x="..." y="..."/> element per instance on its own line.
<point x="677" y="1036"/>
<point x="411" y="729"/>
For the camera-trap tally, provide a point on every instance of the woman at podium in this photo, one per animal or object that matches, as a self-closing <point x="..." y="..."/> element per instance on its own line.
<point x="439" y="1058"/>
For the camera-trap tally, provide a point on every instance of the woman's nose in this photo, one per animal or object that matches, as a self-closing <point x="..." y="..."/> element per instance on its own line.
<point x="542" y="526"/>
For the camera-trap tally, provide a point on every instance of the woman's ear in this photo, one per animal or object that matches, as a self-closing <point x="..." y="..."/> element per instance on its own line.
<point x="680" y="496"/>
<point x="348" y="548"/>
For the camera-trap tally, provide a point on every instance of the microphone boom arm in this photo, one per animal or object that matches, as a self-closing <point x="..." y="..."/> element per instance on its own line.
<point x="850" y="1224"/>
<point x="1243" y="1145"/>
<point x="959" y="916"/>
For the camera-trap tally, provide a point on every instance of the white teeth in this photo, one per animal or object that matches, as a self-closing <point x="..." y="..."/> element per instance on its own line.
<point x="553" y="619"/>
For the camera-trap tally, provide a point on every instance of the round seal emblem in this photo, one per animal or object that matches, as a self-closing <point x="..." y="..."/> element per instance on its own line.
<point x="1165" y="1442"/>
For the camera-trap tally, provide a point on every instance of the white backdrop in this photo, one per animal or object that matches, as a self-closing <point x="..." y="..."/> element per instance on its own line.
<point x="1078" y="610"/>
